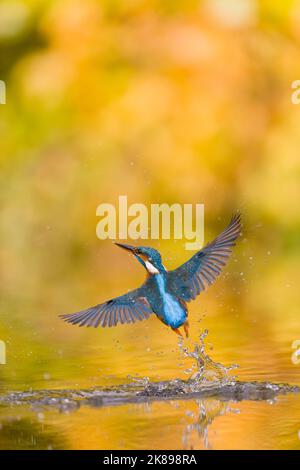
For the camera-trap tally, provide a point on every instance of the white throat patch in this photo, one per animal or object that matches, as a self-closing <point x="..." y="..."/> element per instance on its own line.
<point x="150" y="268"/>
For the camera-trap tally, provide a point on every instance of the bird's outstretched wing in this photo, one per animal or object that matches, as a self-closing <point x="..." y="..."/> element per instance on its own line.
<point x="128" y="308"/>
<point x="200" y="271"/>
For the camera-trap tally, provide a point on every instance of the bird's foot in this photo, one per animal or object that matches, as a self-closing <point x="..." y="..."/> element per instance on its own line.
<point x="186" y="328"/>
<point x="176" y="330"/>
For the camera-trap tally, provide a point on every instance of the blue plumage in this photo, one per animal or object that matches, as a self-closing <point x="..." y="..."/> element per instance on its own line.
<point x="164" y="293"/>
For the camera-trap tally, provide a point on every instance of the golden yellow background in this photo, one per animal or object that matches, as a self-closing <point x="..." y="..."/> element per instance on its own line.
<point x="163" y="101"/>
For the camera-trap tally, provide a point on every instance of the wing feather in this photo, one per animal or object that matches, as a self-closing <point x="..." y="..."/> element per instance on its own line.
<point x="200" y="271"/>
<point x="128" y="308"/>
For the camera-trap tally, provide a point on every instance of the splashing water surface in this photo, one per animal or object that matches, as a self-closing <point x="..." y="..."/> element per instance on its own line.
<point x="207" y="370"/>
<point x="190" y="408"/>
<point x="208" y="379"/>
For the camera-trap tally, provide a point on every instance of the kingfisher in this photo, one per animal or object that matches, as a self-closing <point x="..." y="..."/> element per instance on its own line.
<point x="164" y="293"/>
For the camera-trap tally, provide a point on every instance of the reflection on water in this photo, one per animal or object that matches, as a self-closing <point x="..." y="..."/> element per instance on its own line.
<point x="173" y="424"/>
<point x="157" y="124"/>
<point x="207" y="394"/>
<point x="28" y="433"/>
<point x="207" y="412"/>
<point x="208" y="379"/>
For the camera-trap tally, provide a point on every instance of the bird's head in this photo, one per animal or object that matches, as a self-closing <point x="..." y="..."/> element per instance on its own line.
<point x="147" y="256"/>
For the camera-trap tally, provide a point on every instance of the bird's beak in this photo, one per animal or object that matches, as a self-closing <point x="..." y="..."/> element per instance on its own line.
<point x="126" y="247"/>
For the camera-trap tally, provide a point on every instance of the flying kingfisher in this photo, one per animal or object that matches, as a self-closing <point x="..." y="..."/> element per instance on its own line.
<point x="164" y="293"/>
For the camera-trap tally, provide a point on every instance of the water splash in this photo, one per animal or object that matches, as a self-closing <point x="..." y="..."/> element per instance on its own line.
<point x="205" y="374"/>
<point x="208" y="379"/>
<point x="209" y="385"/>
<point x="207" y="370"/>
